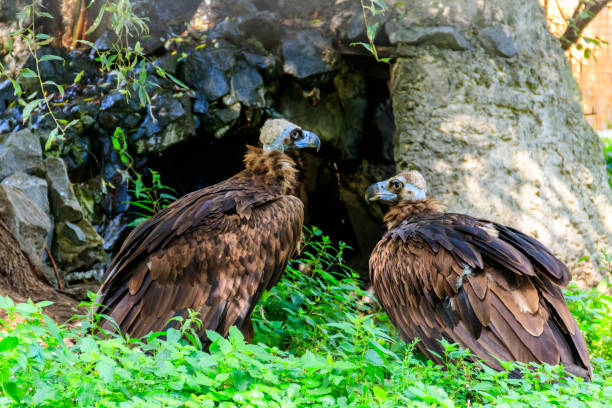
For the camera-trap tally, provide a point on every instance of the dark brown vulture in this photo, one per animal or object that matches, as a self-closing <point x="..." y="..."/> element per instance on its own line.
<point x="214" y="250"/>
<point x="486" y="286"/>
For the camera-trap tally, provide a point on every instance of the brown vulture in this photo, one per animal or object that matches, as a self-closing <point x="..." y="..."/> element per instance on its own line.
<point x="486" y="286"/>
<point x="214" y="250"/>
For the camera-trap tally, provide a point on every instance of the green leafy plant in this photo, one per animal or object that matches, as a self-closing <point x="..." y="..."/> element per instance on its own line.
<point x="375" y="7"/>
<point x="33" y="40"/>
<point x="607" y="142"/>
<point x="126" y="55"/>
<point x="148" y="199"/>
<point x="125" y="58"/>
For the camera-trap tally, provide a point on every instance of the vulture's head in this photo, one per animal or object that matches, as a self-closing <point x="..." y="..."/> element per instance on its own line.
<point x="408" y="185"/>
<point x="282" y="135"/>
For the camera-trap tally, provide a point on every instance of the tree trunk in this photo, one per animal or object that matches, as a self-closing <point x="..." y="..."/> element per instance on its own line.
<point x="584" y="13"/>
<point x="20" y="280"/>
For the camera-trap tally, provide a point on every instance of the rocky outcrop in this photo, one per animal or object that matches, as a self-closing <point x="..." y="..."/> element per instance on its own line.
<point x="76" y="244"/>
<point x="496" y="125"/>
<point x="19" y="151"/>
<point x="39" y="208"/>
<point x="34" y="188"/>
<point x="29" y="224"/>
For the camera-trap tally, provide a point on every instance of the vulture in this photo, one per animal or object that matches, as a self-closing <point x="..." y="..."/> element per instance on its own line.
<point x="491" y="288"/>
<point x="214" y="250"/>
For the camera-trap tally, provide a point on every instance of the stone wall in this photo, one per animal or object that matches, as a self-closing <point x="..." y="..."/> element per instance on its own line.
<point x="491" y="114"/>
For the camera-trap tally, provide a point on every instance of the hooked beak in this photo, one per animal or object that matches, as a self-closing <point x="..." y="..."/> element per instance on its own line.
<point x="378" y="191"/>
<point x="308" y="139"/>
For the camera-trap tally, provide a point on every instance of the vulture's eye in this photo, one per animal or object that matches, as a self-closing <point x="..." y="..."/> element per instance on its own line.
<point x="295" y="133"/>
<point x="396" y="185"/>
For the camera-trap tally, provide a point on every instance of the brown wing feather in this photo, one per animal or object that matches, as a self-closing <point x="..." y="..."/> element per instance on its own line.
<point x="209" y="252"/>
<point x="452" y="276"/>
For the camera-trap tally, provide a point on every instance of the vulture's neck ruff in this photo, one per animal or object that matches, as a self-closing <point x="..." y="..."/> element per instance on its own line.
<point x="404" y="210"/>
<point x="274" y="168"/>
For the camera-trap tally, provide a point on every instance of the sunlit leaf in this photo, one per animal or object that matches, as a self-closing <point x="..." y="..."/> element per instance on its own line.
<point x="27" y="110"/>
<point x="97" y="21"/>
<point x="50" y="57"/>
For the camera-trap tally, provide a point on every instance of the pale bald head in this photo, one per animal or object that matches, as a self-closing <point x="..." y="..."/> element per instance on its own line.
<point x="415" y="178"/>
<point x="281" y="135"/>
<point x="406" y="186"/>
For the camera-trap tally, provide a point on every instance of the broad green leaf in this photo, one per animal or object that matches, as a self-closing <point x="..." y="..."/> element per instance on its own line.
<point x="106" y="369"/>
<point x="88" y="43"/>
<point x="97" y="21"/>
<point x="27" y="73"/>
<point x="50" y="57"/>
<point x="176" y="81"/>
<point x="27" y="110"/>
<point x="16" y="87"/>
<point x="51" y="139"/>
<point x="235" y="335"/>
<point x="8" y="343"/>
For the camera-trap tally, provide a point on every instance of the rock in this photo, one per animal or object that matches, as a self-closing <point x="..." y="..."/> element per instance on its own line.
<point x="113" y="231"/>
<point x="173" y="124"/>
<point x="264" y="26"/>
<point x="74" y="234"/>
<point x="347" y="23"/>
<point x="116" y="111"/>
<point x="205" y="70"/>
<point x="11" y="120"/>
<point x="309" y="56"/>
<point x="165" y="18"/>
<point x="267" y="64"/>
<point x="219" y="121"/>
<point x="440" y="36"/>
<point x="247" y="87"/>
<point x="168" y="62"/>
<point x="90" y="194"/>
<point x="498" y="41"/>
<point x="384" y="122"/>
<point x="29" y="224"/>
<point x="77" y="246"/>
<point x="201" y="106"/>
<point x="34" y="188"/>
<point x="116" y="101"/>
<point x="19" y="151"/>
<point x="64" y="204"/>
<point x="6" y="95"/>
<point x="338" y="124"/>
<point x="506" y="139"/>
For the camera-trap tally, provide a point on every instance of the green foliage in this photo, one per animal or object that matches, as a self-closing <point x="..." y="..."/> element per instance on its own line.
<point x="332" y="348"/>
<point x="33" y="40"/>
<point x="148" y="200"/>
<point x="607" y="142"/>
<point x="125" y="58"/>
<point x="593" y="311"/>
<point x="375" y="7"/>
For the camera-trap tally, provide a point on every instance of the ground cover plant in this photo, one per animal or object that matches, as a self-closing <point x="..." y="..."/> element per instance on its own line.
<point x="320" y="341"/>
